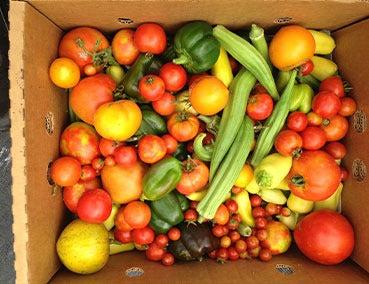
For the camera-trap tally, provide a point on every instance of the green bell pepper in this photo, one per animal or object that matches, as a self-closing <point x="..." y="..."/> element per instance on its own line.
<point x="152" y="123"/>
<point x="162" y="178"/>
<point x="183" y="201"/>
<point x="196" y="47"/>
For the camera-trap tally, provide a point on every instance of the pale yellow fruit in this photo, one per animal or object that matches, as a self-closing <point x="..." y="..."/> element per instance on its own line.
<point x="83" y="247"/>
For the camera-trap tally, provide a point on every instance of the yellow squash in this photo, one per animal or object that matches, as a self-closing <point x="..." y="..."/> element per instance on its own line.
<point x="244" y="208"/>
<point x="324" y="43"/>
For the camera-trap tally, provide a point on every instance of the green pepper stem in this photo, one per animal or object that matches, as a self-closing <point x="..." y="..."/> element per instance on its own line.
<point x="182" y="59"/>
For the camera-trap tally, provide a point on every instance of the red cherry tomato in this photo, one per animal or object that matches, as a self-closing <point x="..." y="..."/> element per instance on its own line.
<point x="109" y="161"/>
<point x="143" y="236"/>
<point x="154" y="252"/>
<point x="240" y="246"/>
<point x="125" y="156"/>
<point x="174" y="234"/>
<point x="271" y="209"/>
<point x="174" y="76"/>
<point x="297" y="121"/>
<point x="265" y="254"/>
<point x="166" y="105"/>
<point x="333" y="84"/>
<point x="313" y="138"/>
<point x="258" y="212"/>
<point x="306" y="68"/>
<point x="219" y="231"/>
<point x="87" y="173"/>
<point x="150" y="37"/>
<point x="260" y="223"/>
<point x="326" y="104"/>
<point x="231" y="205"/>
<point x="190" y="215"/>
<point x="170" y="143"/>
<point x="151" y="87"/>
<point x="344" y="174"/>
<point x="262" y="235"/>
<point x="335" y="128"/>
<point x="259" y="106"/>
<point x="252" y="242"/>
<point x="168" y="259"/>
<point x="288" y="143"/>
<point x="255" y="200"/>
<point x="233" y="254"/>
<point x="162" y="240"/>
<point x="151" y="148"/>
<point x="97" y="163"/>
<point x="107" y="146"/>
<point x="336" y="149"/>
<point x="94" y="206"/>
<point x="348" y="106"/>
<point x="123" y="236"/>
<point x="222" y="254"/>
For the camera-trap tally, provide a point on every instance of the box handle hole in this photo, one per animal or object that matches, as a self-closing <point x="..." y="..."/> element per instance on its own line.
<point x="123" y="20"/>
<point x="360" y="121"/>
<point x="359" y="170"/>
<point x="49" y="123"/>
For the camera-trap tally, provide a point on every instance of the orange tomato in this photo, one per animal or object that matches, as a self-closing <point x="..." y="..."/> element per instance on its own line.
<point x="194" y="177"/>
<point x="222" y="215"/>
<point x="66" y="171"/>
<point x="123" y="47"/>
<point x="208" y="95"/>
<point x="290" y="47"/>
<point x="183" y="126"/>
<point x="64" y="73"/>
<point x="151" y="149"/>
<point x="120" y="223"/>
<point x="137" y="214"/>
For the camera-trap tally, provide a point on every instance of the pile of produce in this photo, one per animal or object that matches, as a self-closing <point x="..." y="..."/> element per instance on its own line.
<point x="205" y="143"/>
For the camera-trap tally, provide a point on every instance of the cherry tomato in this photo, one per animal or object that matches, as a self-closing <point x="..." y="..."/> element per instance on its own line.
<point x="168" y="259"/>
<point x="174" y="234"/>
<point x="262" y="235"/>
<point x="225" y="242"/>
<point x="237" y="218"/>
<point x="306" y="68"/>
<point x="219" y="231"/>
<point x="314" y="119"/>
<point x="66" y="171"/>
<point x="143" y="236"/>
<point x="236" y="190"/>
<point x="271" y="209"/>
<point x="212" y="254"/>
<point x="137" y="214"/>
<point x="233" y="254"/>
<point x="285" y="211"/>
<point x="344" y="174"/>
<point x="91" y="69"/>
<point x="123" y="236"/>
<point x="260" y="223"/>
<point x="335" y="128"/>
<point x="234" y="235"/>
<point x="120" y="222"/>
<point x="87" y="173"/>
<point x="252" y="242"/>
<point x="151" y="148"/>
<point x="190" y="215"/>
<point x="288" y="143"/>
<point x="151" y="87"/>
<point x="333" y="84"/>
<point x="125" y="156"/>
<point x="195" y="176"/>
<point x="265" y="254"/>
<point x="232" y="206"/>
<point x="64" y="73"/>
<point x="109" y="161"/>
<point x="183" y="126"/>
<point x="222" y="215"/>
<point x="97" y="163"/>
<point x="336" y="149"/>
<point x="174" y="76"/>
<point x="233" y="224"/>
<point x="150" y="37"/>
<point x="313" y="138"/>
<point x="259" y="106"/>
<point x="166" y="105"/>
<point x="254" y="253"/>
<point x="326" y="104"/>
<point x="348" y="106"/>
<point x="170" y="143"/>
<point x="240" y="246"/>
<point x="297" y="121"/>
<point x="258" y="212"/>
<point x="94" y="206"/>
<point x="222" y="254"/>
<point x="255" y="200"/>
<point x="154" y="252"/>
<point x="245" y="255"/>
<point x="162" y="240"/>
<point x="107" y="146"/>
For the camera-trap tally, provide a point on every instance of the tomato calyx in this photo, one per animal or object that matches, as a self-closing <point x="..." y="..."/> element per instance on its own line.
<point x="296" y="153"/>
<point x="298" y="180"/>
<point x="182" y="116"/>
<point x="189" y="165"/>
<point x="326" y="122"/>
<point x="212" y="123"/>
<point x="347" y="87"/>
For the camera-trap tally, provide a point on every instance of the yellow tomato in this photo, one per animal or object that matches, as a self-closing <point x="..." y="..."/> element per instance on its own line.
<point x="64" y="73"/>
<point x="290" y="47"/>
<point x="118" y="120"/>
<point x="208" y="95"/>
<point x="245" y="176"/>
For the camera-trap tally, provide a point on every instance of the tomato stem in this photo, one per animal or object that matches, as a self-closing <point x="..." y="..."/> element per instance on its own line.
<point x="298" y="180"/>
<point x="326" y="122"/>
<point x="297" y="153"/>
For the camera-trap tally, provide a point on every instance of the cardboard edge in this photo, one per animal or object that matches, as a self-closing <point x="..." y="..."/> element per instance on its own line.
<point x="17" y="115"/>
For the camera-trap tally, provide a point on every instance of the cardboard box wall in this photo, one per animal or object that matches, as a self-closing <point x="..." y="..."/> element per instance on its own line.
<point x="39" y="113"/>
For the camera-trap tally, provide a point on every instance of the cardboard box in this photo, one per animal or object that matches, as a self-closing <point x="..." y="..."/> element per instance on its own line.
<point x="39" y="113"/>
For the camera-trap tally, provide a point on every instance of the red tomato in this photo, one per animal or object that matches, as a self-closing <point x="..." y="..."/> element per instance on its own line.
<point x="240" y="246"/>
<point x="348" y="106"/>
<point x="314" y="176"/>
<point x="233" y="254"/>
<point x="174" y="234"/>
<point x="107" y="146"/>
<point x="125" y="156"/>
<point x="252" y="242"/>
<point x="89" y="94"/>
<point x="162" y="240"/>
<point x="297" y="121"/>
<point x="97" y="164"/>
<point x="259" y="106"/>
<point x="306" y="68"/>
<point x="326" y="104"/>
<point x="288" y="143"/>
<point x="123" y="236"/>
<point x="174" y="76"/>
<point x="222" y="215"/>
<point x="168" y="259"/>
<point x="232" y="206"/>
<point x="89" y="39"/>
<point x="259" y="89"/>
<point x="71" y="195"/>
<point x="314" y="119"/>
<point x="170" y="143"/>
<point x="94" y="206"/>
<point x="154" y="252"/>
<point x="91" y="69"/>
<point x="325" y="236"/>
<point x="333" y="84"/>
<point x="313" y="138"/>
<point x="255" y="200"/>
<point x="66" y="171"/>
<point x="262" y="235"/>
<point x="183" y="126"/>
<point x="195" y="176"/>
<point x="88" y="173"/>
<point x="120" y="222"/>
<point x="137" y="214"/>
<point x="109" y="161"/>
<point x="166" y="105"/>
<point x="335" y="128"/>
<point x="151" y="87"/>
<point x="219" y="231"/>
<point x="265" y="254"/>
<point x="190" y="215"/>
<point x="143" y="236"/>
<point x="261" y="223"/>
<point x="222" y="255"/>
<point x="258" y="212"/>
<point x="344" y="174"/>
<point x="123" y="47"/>
<point x="151" y="148"/>
<point x="336" y="149"/>
<point x="271" y="209"/>
<point x="150" y="37"/>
